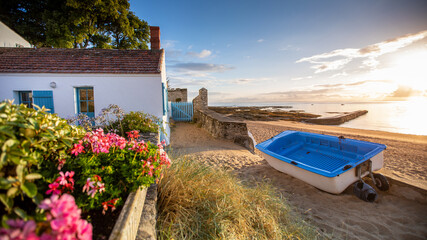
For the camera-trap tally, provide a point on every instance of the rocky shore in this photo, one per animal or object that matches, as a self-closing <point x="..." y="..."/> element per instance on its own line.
<point x="275" y="113"/>
<point x="264" y="113"/>
<point x="338" y="119"/>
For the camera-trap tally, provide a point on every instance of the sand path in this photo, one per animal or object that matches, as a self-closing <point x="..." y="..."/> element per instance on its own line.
<point x="400" y="213"/>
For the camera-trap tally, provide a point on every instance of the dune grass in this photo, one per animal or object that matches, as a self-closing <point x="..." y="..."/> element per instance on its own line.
<point x="197" y="201"/>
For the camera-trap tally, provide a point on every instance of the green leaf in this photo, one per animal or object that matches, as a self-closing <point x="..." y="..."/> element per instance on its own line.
<point x="12" y="192"/>
<point x="34" y="123"/>
<point x="9" y="144"/>
<point x="30" y="189"/>
<point x="3" y="105"/>
<point x="3" y="221"/>
<point x="3" y="158"/>
<point x="33" y="176"/>
<point x="38" y="199"/>
<point x="39" y="146"/>
<point x="67" y="142"/>
<point x="15" y="159"/>
<point x="4" y="183"/>
<point x="7" y="130"/>
<point x="8" y="202"/>
<point x="21" y="213"/>
<point x="20" y="172"/>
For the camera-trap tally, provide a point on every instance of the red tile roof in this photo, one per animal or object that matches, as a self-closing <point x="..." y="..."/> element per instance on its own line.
<point x="64" y="60"/>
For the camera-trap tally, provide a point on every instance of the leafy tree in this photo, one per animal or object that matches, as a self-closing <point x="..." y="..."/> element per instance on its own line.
<point x="76" y="23"/>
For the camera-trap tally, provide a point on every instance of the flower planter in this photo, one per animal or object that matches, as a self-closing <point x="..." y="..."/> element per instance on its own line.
<point x="127" y="224"/>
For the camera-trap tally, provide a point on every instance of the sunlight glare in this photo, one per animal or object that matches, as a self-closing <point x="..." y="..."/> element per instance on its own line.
<point x="410" y="69"/>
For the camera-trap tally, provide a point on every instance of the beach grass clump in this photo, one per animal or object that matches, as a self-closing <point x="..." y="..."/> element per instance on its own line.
<point x="197" y="201"/>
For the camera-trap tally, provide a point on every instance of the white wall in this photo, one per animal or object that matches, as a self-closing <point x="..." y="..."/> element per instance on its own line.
<point x="131" y="92"/>
<point x="9" y="38"/>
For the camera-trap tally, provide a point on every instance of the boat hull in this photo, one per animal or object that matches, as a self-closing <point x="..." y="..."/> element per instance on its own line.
<point x="334" y="185"/>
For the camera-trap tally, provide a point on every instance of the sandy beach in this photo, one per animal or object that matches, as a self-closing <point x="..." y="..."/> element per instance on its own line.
<point x="399" y="213"/>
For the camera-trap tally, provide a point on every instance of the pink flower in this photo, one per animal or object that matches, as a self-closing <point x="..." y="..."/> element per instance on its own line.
<point x="19" y="230"/>
<point x="92" y="187"/>
<point x="88" y="185"/>
<point x="133" y="134"/>
<point x="53" y="188"/>
<point x="61" y="163"/>
<point x="92" y="192"/>
<point x="63" y="183"/>
<point x="64" y="217"/>
<point x="101" y="187"/>
<point x="62" y="179"/>
<point x="78" y="148"/>
<point x="110" y="203"/>
<point x="85" y="230"/>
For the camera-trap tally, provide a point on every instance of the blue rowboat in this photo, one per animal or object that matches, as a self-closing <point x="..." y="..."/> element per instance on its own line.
<point x="327" y="162"/>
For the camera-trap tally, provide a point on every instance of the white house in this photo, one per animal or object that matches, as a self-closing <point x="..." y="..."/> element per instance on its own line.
<point x="72" y="81"/>
<point x="9" y="38"/>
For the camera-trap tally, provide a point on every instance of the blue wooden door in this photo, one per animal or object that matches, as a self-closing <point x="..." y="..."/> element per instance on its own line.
<point x="85" y="101"/>
<point x="182" y="111"/>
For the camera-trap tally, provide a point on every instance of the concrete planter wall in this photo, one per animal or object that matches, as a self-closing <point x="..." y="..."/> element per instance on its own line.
<point x="127" y="224"/>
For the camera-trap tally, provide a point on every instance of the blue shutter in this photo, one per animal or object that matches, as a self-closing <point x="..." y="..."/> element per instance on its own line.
<point x="44" y="98"/>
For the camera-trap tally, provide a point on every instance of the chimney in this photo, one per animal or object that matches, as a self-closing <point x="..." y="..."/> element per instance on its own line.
<point x="155" y="38"/>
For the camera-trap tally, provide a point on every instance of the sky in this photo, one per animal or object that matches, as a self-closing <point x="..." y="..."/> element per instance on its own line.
<point x="246" y="51"/>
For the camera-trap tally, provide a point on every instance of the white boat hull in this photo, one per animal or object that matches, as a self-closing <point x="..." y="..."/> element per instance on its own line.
<point x="335" y="185"/>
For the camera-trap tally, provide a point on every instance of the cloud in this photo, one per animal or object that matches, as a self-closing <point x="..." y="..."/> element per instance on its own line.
<point x="403" y="93"/>
<point x="292" y="95"/>
<point x="173" y="54"/>
<point x="260" y="40"/>
<point x="203" y="54"/>
<point x="301" y="78"/>
<point x="249" y="80"/>
<point x="339" y="58"/>
<point x="352" y="84"/>
<point x="202" y="67"/>
<point x="341" y="74"/>
<point x="289" y="48"/>
<point x="185" y="81"/>
<point x="168" y="44"/>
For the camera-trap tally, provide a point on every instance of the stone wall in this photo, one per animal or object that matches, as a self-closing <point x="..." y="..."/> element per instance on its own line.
<point x="221" y="126"/>
<point x="336" y="120"/>
<point x="200" y="103"/>
<point x="177" y="95"/>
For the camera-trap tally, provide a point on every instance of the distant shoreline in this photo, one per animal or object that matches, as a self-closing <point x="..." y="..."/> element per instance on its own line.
<point x="397" y="116"/>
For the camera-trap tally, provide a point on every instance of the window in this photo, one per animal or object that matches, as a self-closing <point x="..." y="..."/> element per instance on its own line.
<point x="85" y="101"/>
<point x="39" y="98"/>
<point x="26" y="98"/>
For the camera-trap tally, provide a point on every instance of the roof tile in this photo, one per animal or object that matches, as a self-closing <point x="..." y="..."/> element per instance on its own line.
<point x="65" y="60"/>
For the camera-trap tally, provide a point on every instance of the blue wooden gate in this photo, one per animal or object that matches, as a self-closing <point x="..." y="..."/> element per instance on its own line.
<point x="182" y="111"/>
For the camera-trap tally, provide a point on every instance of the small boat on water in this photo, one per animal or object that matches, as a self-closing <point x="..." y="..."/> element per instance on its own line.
<point x="327" y="162"/>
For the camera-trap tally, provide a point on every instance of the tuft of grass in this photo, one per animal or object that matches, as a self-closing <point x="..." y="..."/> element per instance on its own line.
<point x="197" y="201"/>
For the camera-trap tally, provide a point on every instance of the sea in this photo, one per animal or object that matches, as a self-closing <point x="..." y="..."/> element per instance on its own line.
<point x="408" y="117"/>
